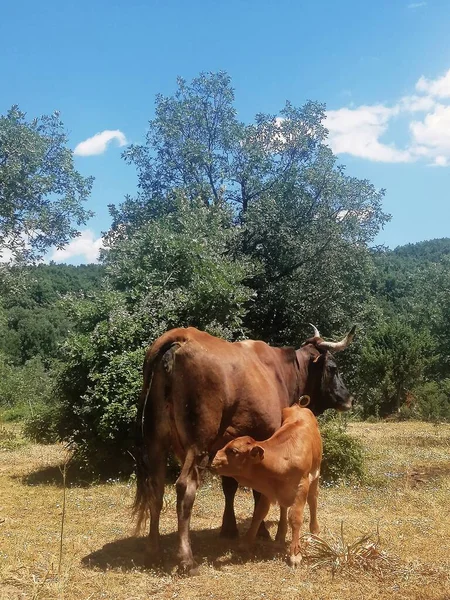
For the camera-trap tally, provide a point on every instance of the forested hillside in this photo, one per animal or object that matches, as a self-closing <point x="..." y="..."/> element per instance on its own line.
<point x="33" y="319"/>
<point x="33" y="324"/>
<point x="405" y="359"/>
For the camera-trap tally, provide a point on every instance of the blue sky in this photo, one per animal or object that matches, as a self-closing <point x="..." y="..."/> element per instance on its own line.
<point x="383" y="70"/>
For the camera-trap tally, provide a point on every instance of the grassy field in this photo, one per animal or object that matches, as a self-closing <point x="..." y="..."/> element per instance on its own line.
<point x="407" y="494"/>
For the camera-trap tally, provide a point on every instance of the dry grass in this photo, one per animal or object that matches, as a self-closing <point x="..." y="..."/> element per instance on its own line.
<point x="363" y="554"/>
<point x="408" y="497"/>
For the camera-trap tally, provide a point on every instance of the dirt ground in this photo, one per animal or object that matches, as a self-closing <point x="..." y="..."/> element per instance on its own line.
<point x="407" y="495"/>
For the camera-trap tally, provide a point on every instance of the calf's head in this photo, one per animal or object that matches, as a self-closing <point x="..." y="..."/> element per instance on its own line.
<point x="237" y="456"/>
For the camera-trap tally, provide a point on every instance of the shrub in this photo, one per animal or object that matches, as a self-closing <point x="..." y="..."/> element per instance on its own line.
<point x="23" y="389"/>
<point x="42" y="426"/>
<point x="176" y="270"/>
<point x="10" y="439"/>
<point x="432" y="401"/>
<point x="393" y="360"/>
<point x="405" y="413"/>
<point x="343" y="458"/>
<point x="100" y="421"/>
<point x="372" y="419"/>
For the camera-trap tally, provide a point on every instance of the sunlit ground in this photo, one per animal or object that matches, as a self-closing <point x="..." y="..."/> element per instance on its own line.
<point x="407" y="495"/>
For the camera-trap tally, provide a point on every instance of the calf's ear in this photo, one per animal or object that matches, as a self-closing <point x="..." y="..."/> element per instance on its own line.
<point x="257" y="453"/>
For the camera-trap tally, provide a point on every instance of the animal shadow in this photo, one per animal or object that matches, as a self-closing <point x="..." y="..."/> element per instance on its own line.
<point x="130" y="553"/>
<point x="76" y="476"/>
<point x="53" y="476"/>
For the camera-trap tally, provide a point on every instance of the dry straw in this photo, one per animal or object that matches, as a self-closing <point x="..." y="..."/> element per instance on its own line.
<point x="363" y="554"/>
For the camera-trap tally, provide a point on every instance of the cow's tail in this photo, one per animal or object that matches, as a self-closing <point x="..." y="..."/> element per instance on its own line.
<point x="145" y="429"/>
<point x="144" y="488"/>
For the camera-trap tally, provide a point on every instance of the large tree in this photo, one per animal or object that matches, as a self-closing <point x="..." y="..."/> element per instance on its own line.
<point x="301" y="218"/>
<point x="177" y="270"/>
<point x="243" y="230"/>
<point x="41" y="194"/>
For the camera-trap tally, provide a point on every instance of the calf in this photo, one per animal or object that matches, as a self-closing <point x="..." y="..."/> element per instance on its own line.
<point x="285" y="469"/>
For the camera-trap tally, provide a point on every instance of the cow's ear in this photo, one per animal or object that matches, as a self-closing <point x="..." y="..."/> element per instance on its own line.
<point x="257" y="453"/>
<point x="317" y="359"/>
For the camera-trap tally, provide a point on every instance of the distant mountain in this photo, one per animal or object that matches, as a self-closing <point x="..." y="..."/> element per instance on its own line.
<point x="429" y="250"/>
<point x="33" y="322"/>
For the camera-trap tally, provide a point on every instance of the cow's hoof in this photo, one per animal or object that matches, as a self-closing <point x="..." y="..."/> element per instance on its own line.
<point x="152" y="558"/>
<point x="188" y="569"/>
<point x="152" y="561"/>
<point x="263" y="532"/>
<point x="280" y="538"/>
<point x="244" y="547"/>
<point x="295" y="560"/>
<point x="229" y="533"/>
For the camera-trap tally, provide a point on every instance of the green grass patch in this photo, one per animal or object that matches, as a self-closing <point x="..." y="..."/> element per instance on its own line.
<point x="11" y="438"/>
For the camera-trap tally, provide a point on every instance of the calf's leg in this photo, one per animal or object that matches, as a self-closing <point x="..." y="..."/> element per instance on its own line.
<point x="312" y="503"/>
<point x="296" y="520"/>
<point x="282" y="526"/>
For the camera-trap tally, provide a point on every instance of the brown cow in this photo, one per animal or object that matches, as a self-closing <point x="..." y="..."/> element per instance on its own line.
<point x="285" y="469"/>
<point x="200" y="392"/>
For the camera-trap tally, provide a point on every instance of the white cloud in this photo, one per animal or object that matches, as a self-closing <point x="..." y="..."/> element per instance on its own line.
<point x="416" y="5"/>
<point x="440" y="161"/>
<point x="98" y="143"/>
<point x="85" y="246"/>
<point x="6" y="255"/>
<point x="435" y="87"/>
<point x="358" y="130"/>
<point x="416" y="103"/>
<point x="434" y="131"/>
<point x="13" y="247"/>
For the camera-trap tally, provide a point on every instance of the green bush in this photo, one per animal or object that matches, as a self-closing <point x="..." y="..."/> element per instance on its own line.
<point x="174" y="271"/>
<point x="10" y="439"/>
<point x="429" y="401"/>
<point x="405" y="413"/>
<point x="343" y="458"/>
<point x="432" y="401"/>
<point x="23" y="389"/>
<point x="372" y="419"/>
<point x="393" y="360"/>
<point x="42" y="426"/>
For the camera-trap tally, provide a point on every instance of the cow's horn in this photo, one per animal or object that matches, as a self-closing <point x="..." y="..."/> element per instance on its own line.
<point x="316" y="331"/>
<point x="338" y="346"/>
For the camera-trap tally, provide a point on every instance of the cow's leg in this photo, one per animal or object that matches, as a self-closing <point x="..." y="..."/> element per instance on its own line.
<point x="259" y="514"/>
<point x="186" y="486"/>
<point x="156" y="495"/>
<point x="296" y="520"/>
<point x="150" y="470"/>
<point x="229" y="528"/>
<point x="263" y="532"/>
<point x="282" y="526"/>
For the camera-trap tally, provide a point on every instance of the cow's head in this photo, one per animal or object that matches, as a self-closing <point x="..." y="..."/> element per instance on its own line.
<point x="237" y="456"/>
<point x="323" y="383"/>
